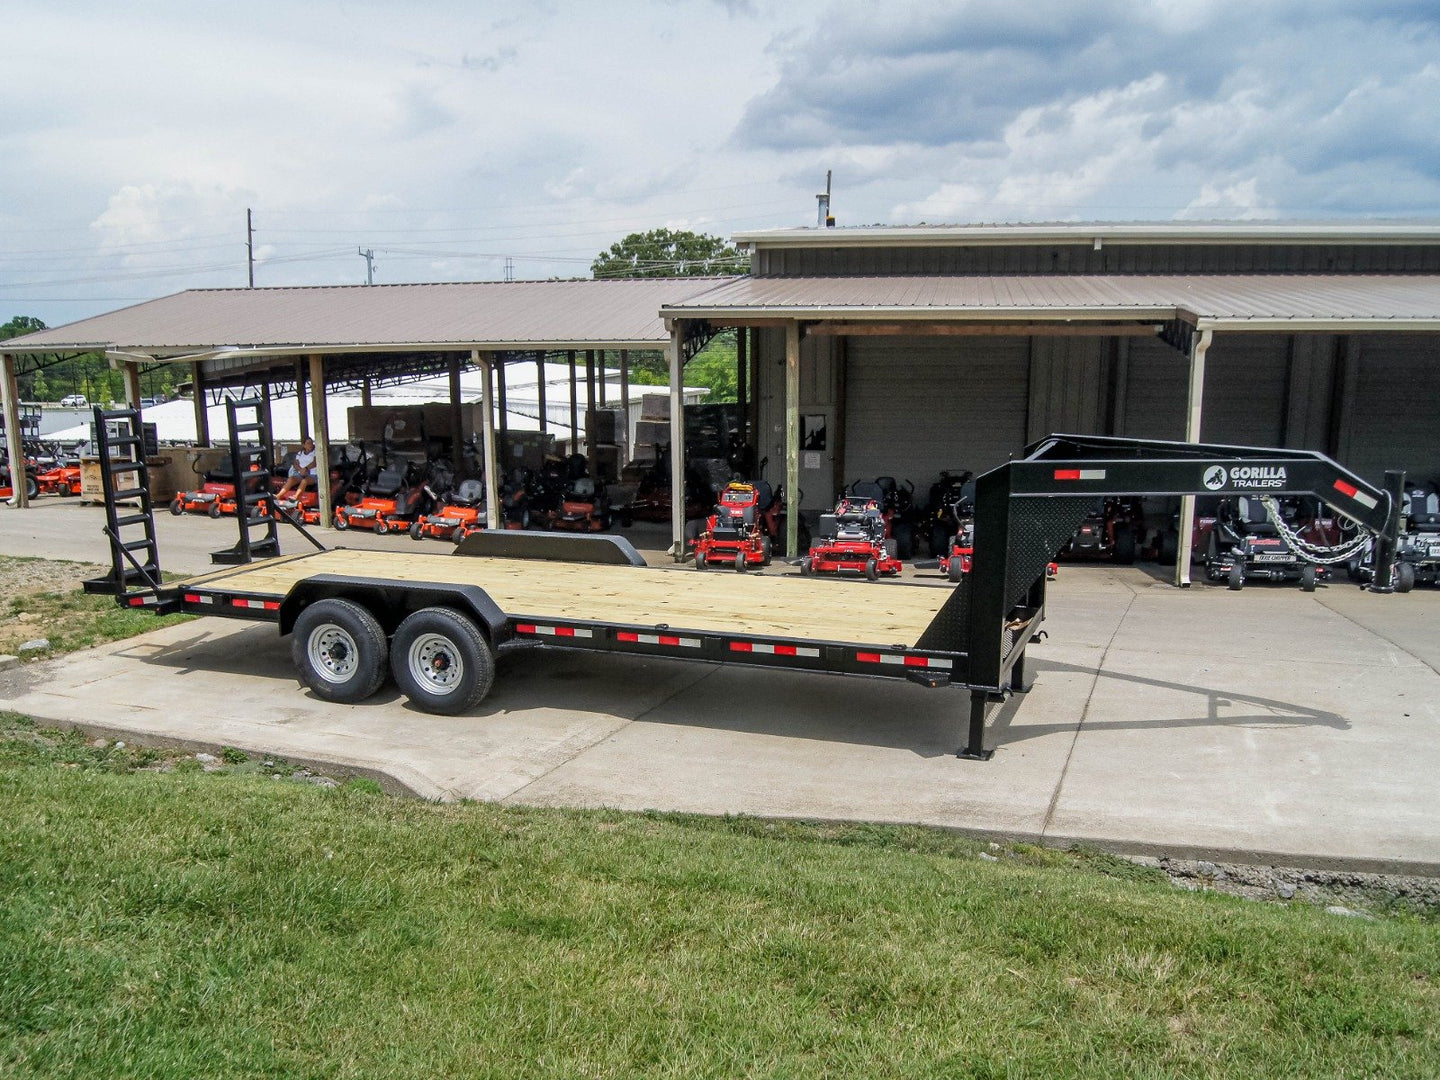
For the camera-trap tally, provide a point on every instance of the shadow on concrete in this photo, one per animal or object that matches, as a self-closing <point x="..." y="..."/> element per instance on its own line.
<point x="1285" y="714"/>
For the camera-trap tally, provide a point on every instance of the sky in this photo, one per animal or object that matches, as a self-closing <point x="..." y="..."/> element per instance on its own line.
<point x="477" y="140"/>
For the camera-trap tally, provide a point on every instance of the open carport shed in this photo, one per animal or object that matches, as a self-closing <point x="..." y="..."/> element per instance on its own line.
<point x="925" y="348"/>
<point x="269" y="338"/>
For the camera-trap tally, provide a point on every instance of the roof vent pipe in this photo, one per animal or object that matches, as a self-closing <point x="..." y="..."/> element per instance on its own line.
<point x="825" y="219"/>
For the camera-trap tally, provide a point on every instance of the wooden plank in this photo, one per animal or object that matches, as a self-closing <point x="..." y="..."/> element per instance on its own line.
<point x="683" y="599"/>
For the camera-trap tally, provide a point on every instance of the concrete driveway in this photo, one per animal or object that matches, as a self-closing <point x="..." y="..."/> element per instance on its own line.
<point x="1266" y="725"/>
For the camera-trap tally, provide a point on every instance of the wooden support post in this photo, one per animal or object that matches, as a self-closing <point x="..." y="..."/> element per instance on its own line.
<point x="742" y="369"/>
<point x="14" y="441"/>
<point x="457" y="420"/>
<point x="754" y="420"/>
<point x="302" y="403"/>
<point x="130" y="372"/>
<point x="540" y="369"/>
<point x="677" y="441"/>
<point x="574" y="406"/>
<point x="590" y="408"/>
<point x="600" y="356"/>
<point x="365" y="391"/>
<point x="322" y="440"/>
<point x="625" y="404"/>
<point x="502" y="408"/>
<point x="487" y="428"/>
<point x="202" y="404"/>
<point x="792" y="439"/>
<point x="1199" y="345"/>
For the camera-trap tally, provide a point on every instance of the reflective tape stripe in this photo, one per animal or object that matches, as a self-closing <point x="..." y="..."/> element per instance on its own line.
<point x="554" y="631"/>
<point x="772" y="650"/>
<point x="1079" y="474"/>
<point x="1367" y="501"/>
<point x="196" y="598"/>
<point x="901" y="660"/>
<point x="140" y="601"/>
<point x="658" y="639"/>
<point x="258" y="605"/>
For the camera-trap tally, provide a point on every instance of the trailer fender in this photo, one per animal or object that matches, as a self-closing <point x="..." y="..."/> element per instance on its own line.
<point x="392" y="601"/>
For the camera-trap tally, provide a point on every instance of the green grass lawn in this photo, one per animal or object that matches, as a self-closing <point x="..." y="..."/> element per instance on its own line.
<point x="182" y="924"/>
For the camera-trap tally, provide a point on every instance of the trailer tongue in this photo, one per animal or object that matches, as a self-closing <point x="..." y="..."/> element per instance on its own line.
<point x="435" y="621"/>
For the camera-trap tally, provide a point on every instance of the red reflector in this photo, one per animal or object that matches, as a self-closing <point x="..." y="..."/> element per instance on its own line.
<point x="564" y="631"/>
<point x="192" y="598"/>
<point x="916" y="661"/>
<point x="784" y="650"/>
<point x="868" y="657"/>
<point x="524" y="628"/>
<point x="1346" y="489"/>
<point x="667" y="640"/>
<point x="136" y="601"/>
<point x="740" y="646"/>
<point x="1067" y="474"/>
<point x="626" y="636"/>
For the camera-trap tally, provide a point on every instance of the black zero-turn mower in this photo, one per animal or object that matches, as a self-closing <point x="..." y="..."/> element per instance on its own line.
<point x="1110" y="530"/>
<point x="1417" y="551"/>
<point x="1247" y="544"/>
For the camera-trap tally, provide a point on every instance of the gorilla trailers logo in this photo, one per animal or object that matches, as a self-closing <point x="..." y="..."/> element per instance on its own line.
<point x="1215" y="477"/>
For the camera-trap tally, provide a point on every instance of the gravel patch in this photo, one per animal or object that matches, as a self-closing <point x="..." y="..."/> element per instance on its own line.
<point x="20" y="576"/>
<point x="1341" y="892"/>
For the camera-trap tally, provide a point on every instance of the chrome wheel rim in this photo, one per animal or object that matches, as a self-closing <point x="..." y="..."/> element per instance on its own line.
<point x="333" y="653"/>
<point x="435" y="663"/>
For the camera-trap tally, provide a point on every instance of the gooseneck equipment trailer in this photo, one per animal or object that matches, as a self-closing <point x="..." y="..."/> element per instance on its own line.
<point x="435" y="622"/>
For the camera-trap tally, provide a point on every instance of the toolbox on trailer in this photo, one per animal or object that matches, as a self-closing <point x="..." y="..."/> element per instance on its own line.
<point x="436" y="621"/>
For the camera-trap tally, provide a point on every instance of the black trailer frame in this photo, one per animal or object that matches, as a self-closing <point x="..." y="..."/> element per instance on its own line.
<point x="1025" y="510"/>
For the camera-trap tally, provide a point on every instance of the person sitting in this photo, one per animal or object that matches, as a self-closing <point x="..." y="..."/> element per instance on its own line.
<point x="302" y="471"/>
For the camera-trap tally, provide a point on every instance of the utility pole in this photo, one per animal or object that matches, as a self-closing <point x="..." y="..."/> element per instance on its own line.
<point x="509" y="268"/>
<point x="368" y="254"/>
<point x="250" y="245"/>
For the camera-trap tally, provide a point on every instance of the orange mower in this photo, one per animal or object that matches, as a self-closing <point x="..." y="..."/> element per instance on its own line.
<point x="461" y="513"/>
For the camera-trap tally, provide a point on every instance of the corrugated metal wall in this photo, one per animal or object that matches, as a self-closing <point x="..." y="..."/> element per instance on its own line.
<point x="1156" y="377"/>
<point x="915" y="406"/>
<point x="1245" y="390"/>
<point x="1070" y="386"/>
<point x="1390" y="418"/>
<point x="1111" y="259"/>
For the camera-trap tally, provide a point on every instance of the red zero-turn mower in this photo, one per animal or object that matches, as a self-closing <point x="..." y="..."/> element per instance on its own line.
<point x="392" y="501"/>
<point x="852" y="539"/>
<point x="7" y="490"/>
<point x="61" y="478"/>
<point x="956" y="560"/>
<point x="735" y="533"/>
<point x="461" y="513"/>
<point x="215" y="496"/>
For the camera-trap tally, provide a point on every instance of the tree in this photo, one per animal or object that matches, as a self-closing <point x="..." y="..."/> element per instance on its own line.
<point x="21" y="324"/>
<point x="668" y="253"/>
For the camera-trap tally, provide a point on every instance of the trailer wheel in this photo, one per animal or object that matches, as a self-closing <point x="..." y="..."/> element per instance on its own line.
<point x="177" y="506"/>
<point x="415" y="533"/>
<point x="339" y="650"/>
<point x="1307" y="579"/>
<point x="1236" y="577"/>
<point x="1404" y="577"/>
<point x="956" y="570"/>
<point x="872" y="570"/>
<point x="213" y="509"/>
<point x="441" y="661"/>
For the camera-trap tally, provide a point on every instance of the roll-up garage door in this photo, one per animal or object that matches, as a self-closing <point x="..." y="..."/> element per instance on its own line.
<point x="914" y="406"/>
<point x="1155" y="388"/>
<point x="1394" y="414"/>
<point x="1244" y="390"/>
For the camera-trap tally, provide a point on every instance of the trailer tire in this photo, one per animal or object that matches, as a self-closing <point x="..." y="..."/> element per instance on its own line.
<point x="339" y="651"/>
<point x="1307" y="579"/>
<point x="872" y="570"/>
<point x="214" y="509"/>
<point x="1404" y="577"/>
<point x="1236" y="578"/>
<point x="441" y="661"/>
<point x="956" y="570"/>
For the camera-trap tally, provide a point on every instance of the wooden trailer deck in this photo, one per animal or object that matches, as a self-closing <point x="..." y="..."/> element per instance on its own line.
<point x="769" y="605"/>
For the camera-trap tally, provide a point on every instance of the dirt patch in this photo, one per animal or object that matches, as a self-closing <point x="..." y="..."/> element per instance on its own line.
<point x="19" y="577"/>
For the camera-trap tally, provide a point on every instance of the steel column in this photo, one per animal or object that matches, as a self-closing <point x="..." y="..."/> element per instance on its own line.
<point x="792" y="439"/>
<point x="540" y="393"/>
<point x="574" y="406"/>
<point x="1199" y="346"/>
<point x="590" y="408"/>
<point x="301" y="403"/>
<point x="742" y="371"/>
<point x="202" y="409"/>
<point x="322" y="441"/>
<point x="625" y="402"/>
<point x="457" y="419"/>
<point x="677" y="440"/>
<point x="487" y="427"/>
<point x="14" y="441"/>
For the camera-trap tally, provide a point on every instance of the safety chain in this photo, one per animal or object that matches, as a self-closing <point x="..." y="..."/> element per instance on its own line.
<point x="1324" y="556"/>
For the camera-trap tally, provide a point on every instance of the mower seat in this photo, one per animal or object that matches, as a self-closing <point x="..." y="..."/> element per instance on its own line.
<point x="582" y="488"/>
<point x="387" y="482"/>
<point x="1424" y="511"/>
<point x="863" y="489"/>
<point x="1250" y="515"/>
<point x="470" y="492"/>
